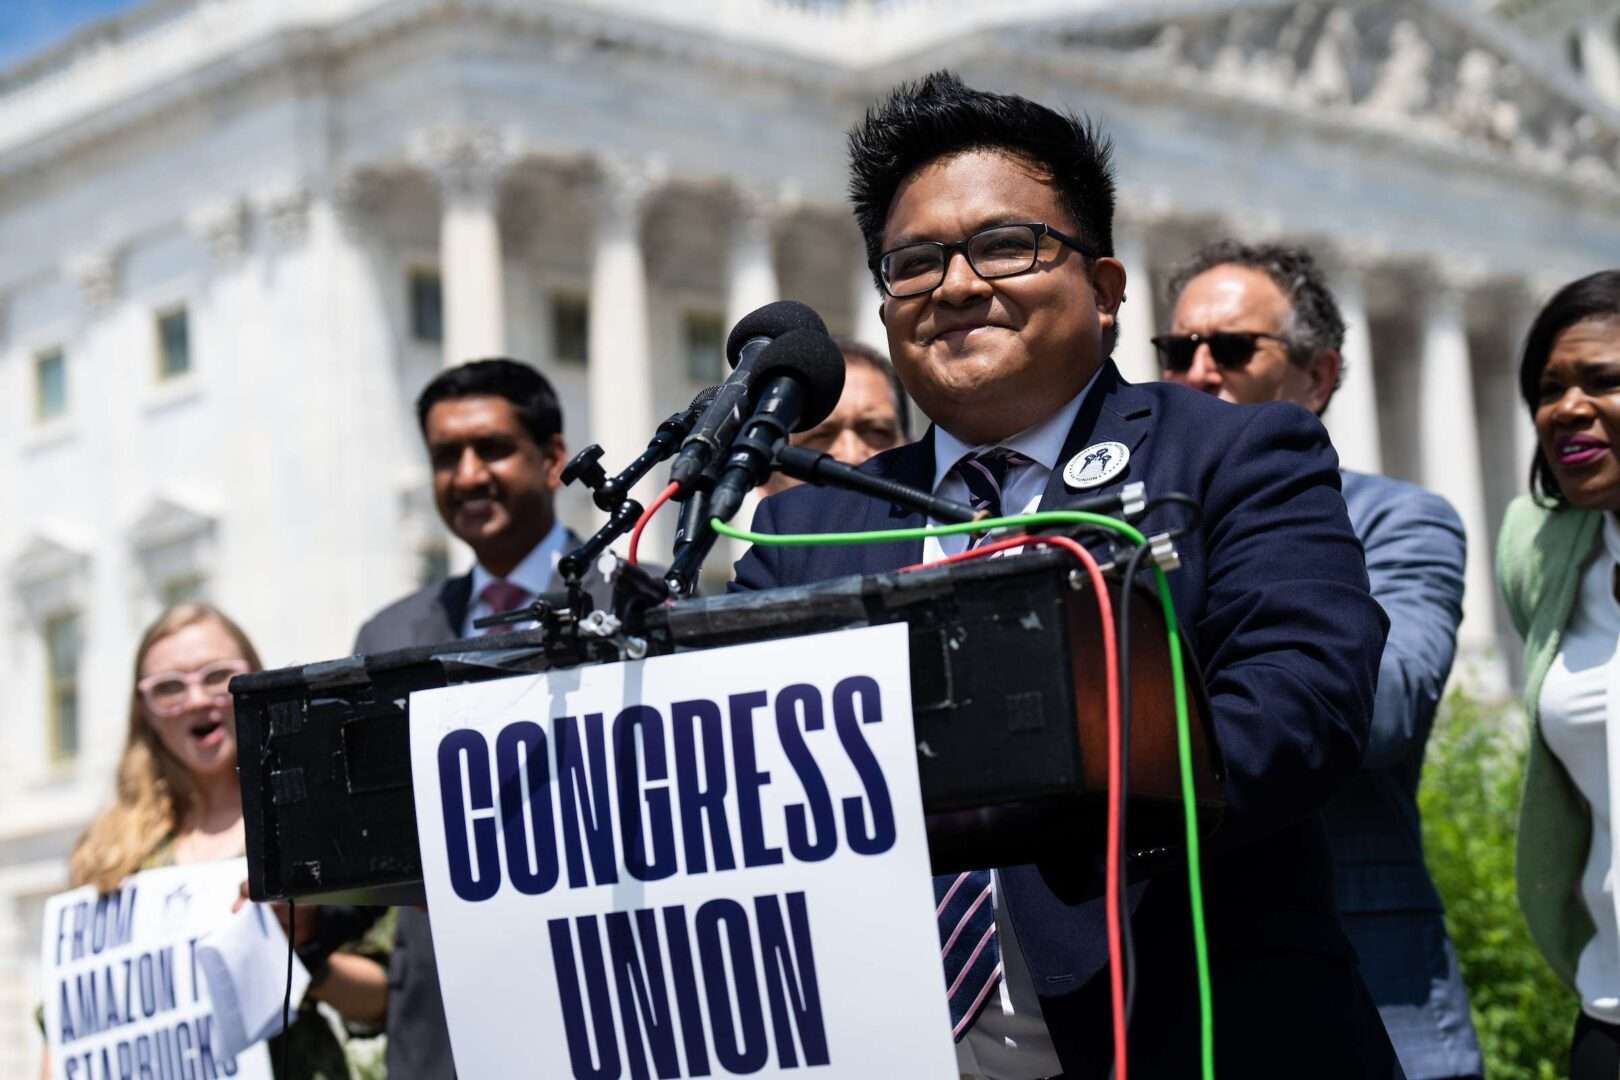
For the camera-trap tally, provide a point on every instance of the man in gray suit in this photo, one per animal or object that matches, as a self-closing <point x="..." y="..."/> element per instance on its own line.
<point x="1256" y="323"/>
<point x="493" y="431"/>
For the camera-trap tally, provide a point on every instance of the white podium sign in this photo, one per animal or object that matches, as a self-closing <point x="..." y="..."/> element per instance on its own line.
<point x="124" y="992"/>
<point x="709" y="864"/>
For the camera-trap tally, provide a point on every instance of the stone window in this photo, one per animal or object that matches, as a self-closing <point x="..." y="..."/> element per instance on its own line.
<point x="183" y="589"/>
<point x="432" y="563"/>
<point x="51" y="578"/>
<point x="703" y="337"/>
<point x="174" y="343"/>
<point x="174" y="548"/>
<point x="423" y="541"/>
<point x="50" y="385"/>
<point x="427" y="305"/>
<point x="62" y="650"/>
<point x="570" y="329"/>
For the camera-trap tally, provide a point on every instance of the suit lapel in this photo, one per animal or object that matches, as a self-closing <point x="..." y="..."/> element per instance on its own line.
<point x="1114" y="411"/>
<point x="449" y="615"/>
<point x="912" y="465"/>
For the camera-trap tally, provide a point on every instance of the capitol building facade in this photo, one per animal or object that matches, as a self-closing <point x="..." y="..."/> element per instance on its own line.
<point x="237" y="236"/>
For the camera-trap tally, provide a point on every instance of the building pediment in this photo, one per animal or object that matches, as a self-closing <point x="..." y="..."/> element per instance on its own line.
<point x="165" y="522"/>
<point x="49" y="575"/>
<point x="44" y="558"/>
<point x="1430" y="71"/>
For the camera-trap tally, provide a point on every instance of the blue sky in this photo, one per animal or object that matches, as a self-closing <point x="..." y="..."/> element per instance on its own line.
<point x="29" y="25"/>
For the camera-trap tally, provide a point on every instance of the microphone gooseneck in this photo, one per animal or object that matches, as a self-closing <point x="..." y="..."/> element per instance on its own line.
<point x="613" y="494"/>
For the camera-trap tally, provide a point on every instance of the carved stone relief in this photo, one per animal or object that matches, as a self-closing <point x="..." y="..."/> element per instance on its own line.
<point x="1394" y="65"/>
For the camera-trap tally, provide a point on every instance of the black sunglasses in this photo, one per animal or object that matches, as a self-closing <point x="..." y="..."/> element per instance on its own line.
<point x="1232" y="349"/>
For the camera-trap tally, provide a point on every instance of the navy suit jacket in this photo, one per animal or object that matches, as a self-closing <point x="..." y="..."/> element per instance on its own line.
<point x="1416" y="551"/>
<point x="1274" y="592"/>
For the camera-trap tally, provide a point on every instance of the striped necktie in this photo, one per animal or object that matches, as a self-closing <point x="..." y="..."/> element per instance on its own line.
<point x="965" y="909"/>
<point x="966" y="914"/>
<point x="985" y="474"/>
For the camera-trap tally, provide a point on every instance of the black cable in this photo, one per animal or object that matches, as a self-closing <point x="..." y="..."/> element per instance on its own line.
<point x="286" y="998"/>
<point x="1123" y="636"/>
<point x="1180" y="500"/>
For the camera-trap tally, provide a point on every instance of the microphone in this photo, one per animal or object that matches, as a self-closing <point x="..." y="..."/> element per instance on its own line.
<point x="674" y="429"/>
<point x="802" y="374"/>
<point x="747" y="342"/>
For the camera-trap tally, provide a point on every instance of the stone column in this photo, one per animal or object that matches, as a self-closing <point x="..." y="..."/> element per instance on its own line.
<point x="1600" y="56"/>
<point x="619" y="379"/>
<point x="750" y="268"/>
<point x="1352" y="417"/>
<point x="750" y="283"/>
<point x="468" y="165"/>
<point x="1529" y="299"/>
<point x="867" y="304"/>
<point x="1134" y="354"/>
<point x="1449" y="448"/>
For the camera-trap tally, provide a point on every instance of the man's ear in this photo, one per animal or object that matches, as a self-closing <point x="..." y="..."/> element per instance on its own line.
<point x="1324" y="372"/>
<point x="556" y="453"/>
<point x="1108" y="287"/>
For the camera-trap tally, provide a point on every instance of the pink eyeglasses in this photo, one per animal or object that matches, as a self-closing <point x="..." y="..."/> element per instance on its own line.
<point x="166" y="693"/>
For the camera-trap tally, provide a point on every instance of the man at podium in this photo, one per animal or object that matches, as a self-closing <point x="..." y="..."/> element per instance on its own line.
<point x="988" y="219"/>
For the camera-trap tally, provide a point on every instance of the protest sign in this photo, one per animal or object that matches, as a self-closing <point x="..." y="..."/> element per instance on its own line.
<point x="708" y="864"/>
<point x="125" y="998"/>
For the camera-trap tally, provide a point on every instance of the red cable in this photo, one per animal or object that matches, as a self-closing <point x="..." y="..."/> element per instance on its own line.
<point x="1105" y="611"/>
<point x="646" y="516"/>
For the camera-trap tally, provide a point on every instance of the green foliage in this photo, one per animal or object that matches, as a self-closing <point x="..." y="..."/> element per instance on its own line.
<point x="1470" y="799"/>
<point x="367" y="1059"/>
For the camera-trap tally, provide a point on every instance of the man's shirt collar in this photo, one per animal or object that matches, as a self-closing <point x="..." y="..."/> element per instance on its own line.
<point x="535" y="571"/>
<point x="1042" y="443"/>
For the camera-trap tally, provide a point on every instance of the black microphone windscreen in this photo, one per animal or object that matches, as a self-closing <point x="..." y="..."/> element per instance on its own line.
<point x="704" y="398"/>
<point x="816" y="361"/>
<point x="771" y="321"/>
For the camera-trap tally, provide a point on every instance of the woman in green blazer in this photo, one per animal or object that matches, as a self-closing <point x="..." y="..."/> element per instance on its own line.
<point x="1558" y="565"/>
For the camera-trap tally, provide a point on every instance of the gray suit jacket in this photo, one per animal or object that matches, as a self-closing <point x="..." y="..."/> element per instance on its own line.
<point x="418" y="1037"/>
<point x="1415" y="548"/>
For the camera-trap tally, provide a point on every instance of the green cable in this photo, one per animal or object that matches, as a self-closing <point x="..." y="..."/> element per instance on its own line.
<point x="1206" y="1016"/>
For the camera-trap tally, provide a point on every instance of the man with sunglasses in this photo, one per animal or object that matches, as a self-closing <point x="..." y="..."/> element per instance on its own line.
<point x="1254" y="323"/>
<point x="988" y="223"/>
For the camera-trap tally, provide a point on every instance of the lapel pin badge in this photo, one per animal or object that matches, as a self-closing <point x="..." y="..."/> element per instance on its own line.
<point x="1096" y="465"/>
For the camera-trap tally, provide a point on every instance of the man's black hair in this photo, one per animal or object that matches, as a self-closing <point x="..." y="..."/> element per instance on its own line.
<point x="1596" y="296"/>
<point x="1314" y="322"/>
<point x="939" y="116"/>
<point x="531" y="395"/>
<point x="857" y="352"/>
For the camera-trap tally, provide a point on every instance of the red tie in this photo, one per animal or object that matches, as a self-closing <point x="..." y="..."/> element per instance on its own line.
<point x="501" y="595"/>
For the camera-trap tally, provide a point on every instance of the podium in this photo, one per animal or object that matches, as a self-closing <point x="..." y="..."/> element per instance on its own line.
<point x="1007" y="686"/>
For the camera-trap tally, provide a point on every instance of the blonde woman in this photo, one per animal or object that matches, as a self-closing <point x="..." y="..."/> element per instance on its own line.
<point x="178" y="802"/>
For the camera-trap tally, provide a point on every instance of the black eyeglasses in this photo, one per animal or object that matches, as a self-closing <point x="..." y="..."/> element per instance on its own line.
<point x="997" y="252"/>
<point x="1232" y="349"/>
